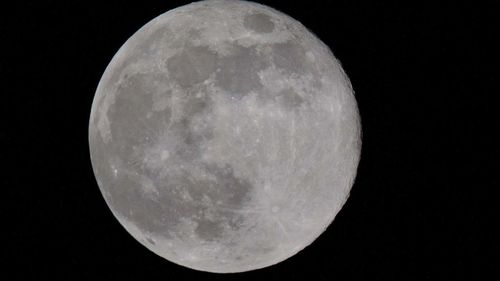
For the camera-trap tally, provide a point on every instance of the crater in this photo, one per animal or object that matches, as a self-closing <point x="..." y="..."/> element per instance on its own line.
<point x="258" y="22"/>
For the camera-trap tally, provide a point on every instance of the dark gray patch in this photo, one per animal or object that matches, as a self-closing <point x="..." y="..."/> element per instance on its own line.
<point x="132" y="103"/>
<point x="150" y="241"/>
<point x="227" y="188"/>
<point x="290" y="99"/>
<point x="192" y="66"/>
<point x="208" y="230"/>
<point x="189" y="148"/>
<point x="289" y="56"/>
<point x="258" y="22"/>
<point x="100" y="154"/>
<point x="230" y="192"/>
<point x="128" y="199"/>
<point x="194" y="33"/>
<point x="197" y="105"/>
<point x="195" y="139"/>
<point x="239" y="72"/>
<point x="128" y="115"/>
<point x="263" y="249"/>
<point x="163" y="214"/>
<point x="148" y="45"/>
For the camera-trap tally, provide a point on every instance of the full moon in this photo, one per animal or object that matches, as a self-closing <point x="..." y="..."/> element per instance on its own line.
<point x="224" y="136"/>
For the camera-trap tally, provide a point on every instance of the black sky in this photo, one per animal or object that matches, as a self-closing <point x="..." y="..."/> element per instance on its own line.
<point x="422" y="207"/>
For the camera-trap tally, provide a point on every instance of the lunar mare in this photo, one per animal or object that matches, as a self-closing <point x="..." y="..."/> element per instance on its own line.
<point x="224" y="136"/>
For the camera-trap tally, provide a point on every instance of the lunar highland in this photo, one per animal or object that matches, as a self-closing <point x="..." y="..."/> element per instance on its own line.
<point x="224" y="136"/>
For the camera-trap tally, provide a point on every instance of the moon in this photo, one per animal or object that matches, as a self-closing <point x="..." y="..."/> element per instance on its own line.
<point x="224" y="136"/>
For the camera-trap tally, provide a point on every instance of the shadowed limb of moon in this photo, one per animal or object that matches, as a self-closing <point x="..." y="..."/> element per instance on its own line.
<point x="224" y="136"/>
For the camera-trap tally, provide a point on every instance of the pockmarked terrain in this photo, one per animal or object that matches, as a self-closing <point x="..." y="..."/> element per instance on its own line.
<point x="224" y="136"/>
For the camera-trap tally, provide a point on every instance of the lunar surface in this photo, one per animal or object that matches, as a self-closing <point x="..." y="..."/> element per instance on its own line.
<point x="224" y="136"/>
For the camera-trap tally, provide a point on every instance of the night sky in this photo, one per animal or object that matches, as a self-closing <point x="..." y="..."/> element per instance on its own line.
<point x="422" y="206"/>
